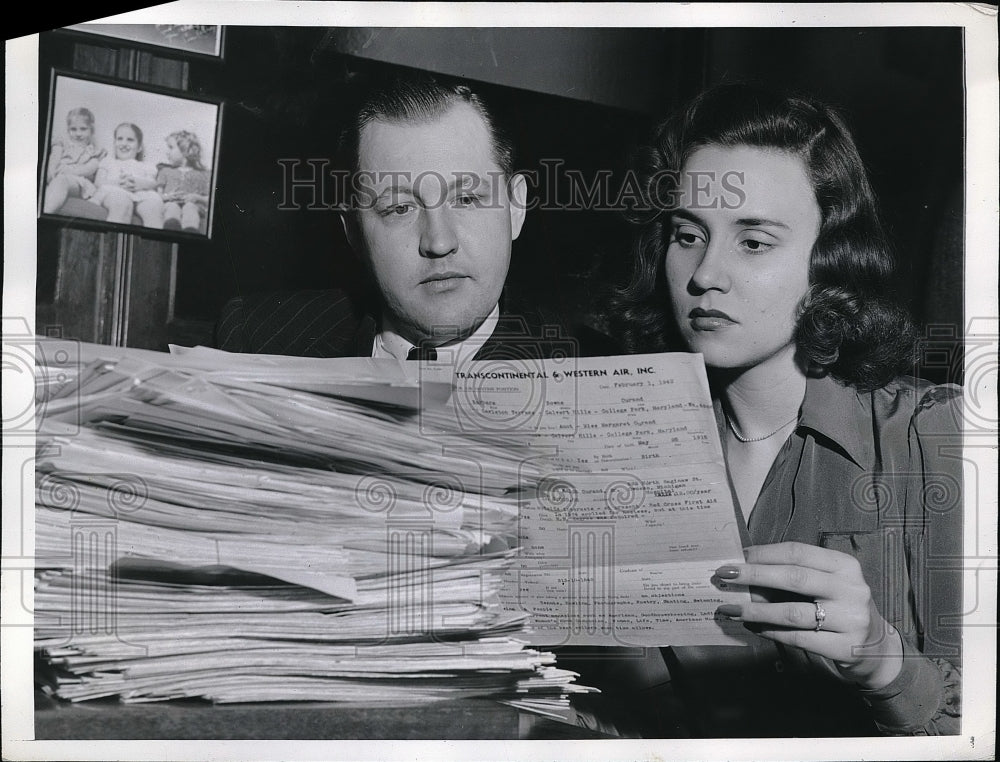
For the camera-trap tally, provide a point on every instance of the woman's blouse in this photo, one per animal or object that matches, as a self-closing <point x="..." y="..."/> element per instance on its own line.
<point x="879" y="476"/>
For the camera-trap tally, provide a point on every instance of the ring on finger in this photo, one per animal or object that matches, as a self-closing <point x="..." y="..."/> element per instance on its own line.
<point x="820" y="616"/>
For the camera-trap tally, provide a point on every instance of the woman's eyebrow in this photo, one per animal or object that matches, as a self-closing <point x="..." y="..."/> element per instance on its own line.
<point x="761" y="222"/>
<point x="685" y="214"/>
<point x="690" y="216"/>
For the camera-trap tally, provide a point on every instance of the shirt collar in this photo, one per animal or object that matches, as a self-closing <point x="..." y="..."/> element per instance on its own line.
<point x="841" y="414"/>
<point x="389" y="344"/>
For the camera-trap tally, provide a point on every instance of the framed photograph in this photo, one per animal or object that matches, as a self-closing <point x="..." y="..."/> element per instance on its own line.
<point x="131" y="158"/>
<point x="199" y="40"/>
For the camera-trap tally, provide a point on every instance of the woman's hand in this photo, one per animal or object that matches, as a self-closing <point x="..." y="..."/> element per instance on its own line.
<point x="843" y="623"/>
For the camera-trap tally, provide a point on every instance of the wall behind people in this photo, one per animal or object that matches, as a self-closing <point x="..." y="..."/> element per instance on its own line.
<point x="286" y="91"/>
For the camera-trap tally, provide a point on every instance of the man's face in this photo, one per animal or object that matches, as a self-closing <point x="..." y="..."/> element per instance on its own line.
<point x="435" y="222"/>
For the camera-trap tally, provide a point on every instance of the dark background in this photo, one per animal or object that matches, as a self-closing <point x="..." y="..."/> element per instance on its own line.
<point x="286" y="90"/>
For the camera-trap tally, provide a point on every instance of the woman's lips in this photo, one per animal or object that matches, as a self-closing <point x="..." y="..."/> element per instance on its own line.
<point x="709" y="320"/>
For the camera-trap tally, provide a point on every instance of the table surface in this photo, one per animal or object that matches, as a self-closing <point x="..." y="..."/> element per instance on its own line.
<point x="452" y="720"/>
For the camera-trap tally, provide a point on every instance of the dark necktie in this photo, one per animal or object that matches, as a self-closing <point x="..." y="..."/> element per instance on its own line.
<point x="422" y="353"/>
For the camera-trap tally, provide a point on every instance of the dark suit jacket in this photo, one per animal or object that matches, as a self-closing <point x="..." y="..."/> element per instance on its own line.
<point x="330" y="324"/>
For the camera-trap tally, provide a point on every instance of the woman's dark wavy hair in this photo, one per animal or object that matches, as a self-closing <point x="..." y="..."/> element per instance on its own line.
<point x="848" y="325"/>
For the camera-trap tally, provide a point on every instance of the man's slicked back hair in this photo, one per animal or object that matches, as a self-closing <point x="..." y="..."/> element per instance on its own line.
<point x="416" y="98"/>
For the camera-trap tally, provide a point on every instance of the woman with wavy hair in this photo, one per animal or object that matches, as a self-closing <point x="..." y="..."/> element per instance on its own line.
<point x="760" y="247"/>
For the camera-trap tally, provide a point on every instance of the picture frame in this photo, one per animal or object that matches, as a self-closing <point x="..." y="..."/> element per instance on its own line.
<point x="130" y="158"/>
<point x="204" y="41"/>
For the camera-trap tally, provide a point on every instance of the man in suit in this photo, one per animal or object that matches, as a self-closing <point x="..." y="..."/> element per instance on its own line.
<point x="433" y="207"/>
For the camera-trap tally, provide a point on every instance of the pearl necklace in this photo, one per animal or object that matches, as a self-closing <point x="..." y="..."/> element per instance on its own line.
<point x="747" y="440"/>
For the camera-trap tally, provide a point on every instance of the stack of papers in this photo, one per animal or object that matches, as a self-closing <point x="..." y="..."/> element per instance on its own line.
<point x="245" y="528"/>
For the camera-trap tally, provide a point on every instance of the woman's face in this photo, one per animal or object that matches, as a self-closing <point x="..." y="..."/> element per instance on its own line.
<point x="127" y="145"/>
<point x="739" y="244"/>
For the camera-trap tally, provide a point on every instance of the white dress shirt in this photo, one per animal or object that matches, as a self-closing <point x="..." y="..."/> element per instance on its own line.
<point x="389" y="344"/>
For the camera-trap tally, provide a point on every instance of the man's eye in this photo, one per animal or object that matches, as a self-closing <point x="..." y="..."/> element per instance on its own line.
<point x="467" y="199"/>
<point x="396" y="210"/>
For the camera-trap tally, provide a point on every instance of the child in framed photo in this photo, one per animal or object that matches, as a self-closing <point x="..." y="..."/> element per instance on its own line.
<point x="126" y="184"/>
<point x="74" y="159"/>
<point x="184" y="184"/>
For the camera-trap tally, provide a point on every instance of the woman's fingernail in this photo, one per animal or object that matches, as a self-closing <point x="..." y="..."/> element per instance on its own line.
<point x="730" y="610"/>
<point x="727" y="572"/>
